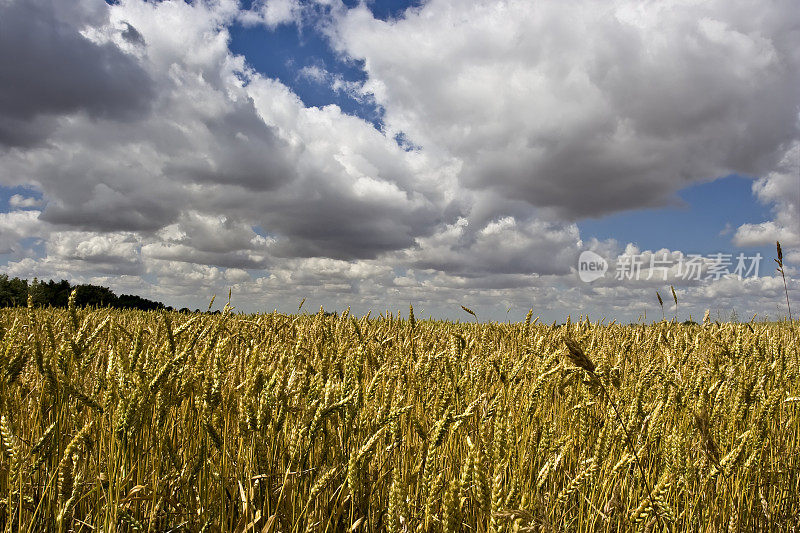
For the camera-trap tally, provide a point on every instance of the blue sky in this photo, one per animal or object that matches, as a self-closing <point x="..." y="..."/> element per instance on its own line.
<point x="371" y="155"/>
<point x="283" y="52"/>
<point x="703" y="221"/>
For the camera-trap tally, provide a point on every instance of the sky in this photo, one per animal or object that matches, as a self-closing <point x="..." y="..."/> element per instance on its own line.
<point x="573" y="158"/>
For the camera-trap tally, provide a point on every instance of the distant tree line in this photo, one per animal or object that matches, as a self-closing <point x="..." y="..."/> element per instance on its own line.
<point x="15" y="292"/>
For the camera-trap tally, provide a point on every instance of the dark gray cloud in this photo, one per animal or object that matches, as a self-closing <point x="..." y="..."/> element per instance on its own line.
<point x="234" y="148"/>
<point x="48" y="68"/>
<point x="110" y="211"/>
<point x="330" y="224"/>
<point x="24" y="131"/>
<point x="132" y="35"/>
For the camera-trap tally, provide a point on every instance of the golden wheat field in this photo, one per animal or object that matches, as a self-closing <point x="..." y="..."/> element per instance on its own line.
<point x="155" y="421"/>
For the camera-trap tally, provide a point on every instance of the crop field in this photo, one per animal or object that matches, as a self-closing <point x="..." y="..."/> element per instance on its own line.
<point x="158" y="421"/>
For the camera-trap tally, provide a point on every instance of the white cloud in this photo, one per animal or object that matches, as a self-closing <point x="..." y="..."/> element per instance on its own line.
<point x="314" y="73"/>
<point x="780" y="189"/>
<point x="582" y="109"/>
<point x="237" y="275"/>
<point x="23" y="202"/>
<point x="225" y="142"/>
<point x="336" y="82"/>
<point x="501" y="246"/>
<point x="106" y="248"/>
<point x="271" y="13"/>
<point x="18" y="225"/>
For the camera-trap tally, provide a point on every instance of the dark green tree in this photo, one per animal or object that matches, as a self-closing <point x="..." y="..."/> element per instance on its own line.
<point x="131" y="301"/>
<point x="49" y="293"/>
<point x="13" y="292"/>
<point x="95" y="296"/>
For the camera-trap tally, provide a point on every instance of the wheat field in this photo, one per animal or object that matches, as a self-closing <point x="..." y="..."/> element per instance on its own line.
<point x="159" y="421"/>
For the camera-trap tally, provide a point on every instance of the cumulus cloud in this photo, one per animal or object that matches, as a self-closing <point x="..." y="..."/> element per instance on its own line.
<point x="23" y="202"/>
<point x="781" y="190"/>
<point x="224" y="141"/>
<point x="211" y="240"/>
<point x="116" y="253"/>
<point x="271" y="13"/>
<point x="18" y="225"/>
<point x="582" y="109"/>
<point x="501" y="246"/>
